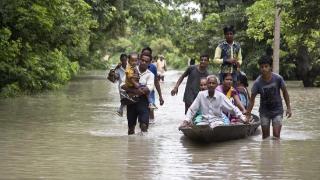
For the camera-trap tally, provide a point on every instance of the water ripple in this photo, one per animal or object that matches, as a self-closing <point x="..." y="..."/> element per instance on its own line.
<point x="75" y="134"/>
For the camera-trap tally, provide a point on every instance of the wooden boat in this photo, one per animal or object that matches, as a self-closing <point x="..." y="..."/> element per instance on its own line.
<point x="223" y="132"/>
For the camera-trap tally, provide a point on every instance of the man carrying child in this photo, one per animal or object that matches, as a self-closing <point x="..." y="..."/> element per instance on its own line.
<point x="139" y="110"/>
<point x="132" y="78"/>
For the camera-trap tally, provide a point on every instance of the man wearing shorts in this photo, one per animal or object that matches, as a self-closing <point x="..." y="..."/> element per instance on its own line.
<point x="268" y="85"/>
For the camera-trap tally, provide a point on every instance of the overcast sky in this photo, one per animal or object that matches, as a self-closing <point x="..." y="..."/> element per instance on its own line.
<point x="189" y="7"/>
<point x="192" y="5"/>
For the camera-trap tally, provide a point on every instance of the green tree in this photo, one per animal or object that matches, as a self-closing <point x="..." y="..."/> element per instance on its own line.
<point x="111" y="23"/>
<point x="300" y="33"/>
<point x="41" y="43"/>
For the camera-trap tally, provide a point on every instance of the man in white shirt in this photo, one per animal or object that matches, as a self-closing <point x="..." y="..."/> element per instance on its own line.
<point x="161" y="67"/>
<point x="121" y="75"/>
<point x="140" y="110"/>
<point x="211" y="103"/>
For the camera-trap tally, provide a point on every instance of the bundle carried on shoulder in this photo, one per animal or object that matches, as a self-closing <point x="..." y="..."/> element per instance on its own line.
<point x="112" y="75"/>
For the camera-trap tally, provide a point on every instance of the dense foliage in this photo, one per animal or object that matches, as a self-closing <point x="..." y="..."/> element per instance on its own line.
<point x="300" y="30"/>
<point x="44" y="42"/>
<point x="41" y="43"/>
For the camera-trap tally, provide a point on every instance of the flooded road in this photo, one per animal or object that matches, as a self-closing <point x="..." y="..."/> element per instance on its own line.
<point x="74" y="133"/>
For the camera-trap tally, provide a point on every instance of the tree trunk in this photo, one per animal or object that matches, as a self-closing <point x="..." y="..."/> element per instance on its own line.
<point x="303" y="64"/>
<point x="276" y="48"/>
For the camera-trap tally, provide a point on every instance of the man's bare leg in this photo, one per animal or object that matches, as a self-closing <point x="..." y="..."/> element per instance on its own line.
<point x="151" y="116"/>
<point x="265" y="131"/>
<point x="276" y="131"/>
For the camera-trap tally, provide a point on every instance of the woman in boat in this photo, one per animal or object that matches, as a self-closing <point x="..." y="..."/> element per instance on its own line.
<point x="228" y="90"/>
<point x="242" y="85"/>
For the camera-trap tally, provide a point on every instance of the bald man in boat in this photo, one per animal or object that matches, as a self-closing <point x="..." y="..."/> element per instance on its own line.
<point x="211" y="103"/>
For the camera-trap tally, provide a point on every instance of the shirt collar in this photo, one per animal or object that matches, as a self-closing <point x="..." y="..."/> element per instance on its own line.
<point x="225" y="42"/>
<point x="142" y="73"/>
<point x="207" y="94"/>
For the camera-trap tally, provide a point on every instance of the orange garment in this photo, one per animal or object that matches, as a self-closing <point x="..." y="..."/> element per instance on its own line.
<point x="130" y="73"/>
<point x="230" y="93"/>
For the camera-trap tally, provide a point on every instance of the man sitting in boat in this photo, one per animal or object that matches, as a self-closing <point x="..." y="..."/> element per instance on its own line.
<point x="211" y="103"/>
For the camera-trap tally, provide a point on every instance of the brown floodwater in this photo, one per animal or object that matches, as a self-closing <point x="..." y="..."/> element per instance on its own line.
<point x="74" y="133"/>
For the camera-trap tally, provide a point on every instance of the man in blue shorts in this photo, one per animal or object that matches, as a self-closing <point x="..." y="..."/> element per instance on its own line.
<point x="268" y="85"/>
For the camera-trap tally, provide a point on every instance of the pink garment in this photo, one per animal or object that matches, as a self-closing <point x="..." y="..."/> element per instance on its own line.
<point x="229" y="94"/>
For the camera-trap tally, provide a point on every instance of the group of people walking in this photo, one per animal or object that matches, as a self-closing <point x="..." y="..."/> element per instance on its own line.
<point x="209" y="99"/>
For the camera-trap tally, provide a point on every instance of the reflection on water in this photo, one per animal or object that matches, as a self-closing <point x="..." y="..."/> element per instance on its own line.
<point x="75" y="134"/>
